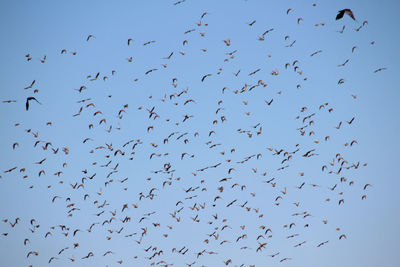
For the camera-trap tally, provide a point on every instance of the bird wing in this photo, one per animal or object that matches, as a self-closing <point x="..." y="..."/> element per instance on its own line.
<point x="350" y="13"/>
<point x="340" y="15"/>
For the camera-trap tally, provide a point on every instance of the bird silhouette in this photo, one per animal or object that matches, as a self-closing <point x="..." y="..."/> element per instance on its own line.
<point x="29" y="99"/>
<point x="345" y="11"/>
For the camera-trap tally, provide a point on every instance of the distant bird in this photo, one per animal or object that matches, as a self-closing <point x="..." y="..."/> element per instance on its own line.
<point x="270" y="102"/>
<point x="9" y="101"/>
<point x="170" y="55"/>
<point x="149" y="42"/>
<point x="342" y="30"/>
<point x="251" y="23"/>
<point x="147" y="72"/>
<point x="380" y="69"/>
<point x="30" y="86"/>
<point x="290" y="45"/>
<point x="205" y="76"/>
<point x="89" y="36"/>
<point x="365" y="186"/>
<point x="316" y="52"/>
<point x="322" y="243"/>
<point x="29" y="99"/>
<point x="202" y="15"/>
<point x="345" y="11"/>
<point x="351" y="121"/>
<point x="344" y="63"/>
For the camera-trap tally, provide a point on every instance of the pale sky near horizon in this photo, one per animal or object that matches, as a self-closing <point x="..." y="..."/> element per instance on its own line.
<point x="213" y="125"/>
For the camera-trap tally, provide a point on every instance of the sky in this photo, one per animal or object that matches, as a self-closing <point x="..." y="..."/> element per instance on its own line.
<point x="177" y="133"/>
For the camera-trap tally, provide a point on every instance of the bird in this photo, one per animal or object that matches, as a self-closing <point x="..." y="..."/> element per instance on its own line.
<point x="380" y="69"/>
<point x="29" y="99"/>
<point x="322" y="243"/>
<point x="151" y="70"/>
<point x="344" y="63"/>
<point x="366" y="185"/>
<point x="35" y="253"/>
<point x="251" y="23"/>
<point x="149" y="42"/>
<point x="30" y="86"/>
<point x="205" y="76"/>
<point x="269" y="102"/>
<point x="169" y="57"/>
<point x="89" y="36"/>
<point x="345" y="11"/>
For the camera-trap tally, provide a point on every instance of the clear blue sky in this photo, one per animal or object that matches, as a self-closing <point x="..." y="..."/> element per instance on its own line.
<point x="142" y="96"/>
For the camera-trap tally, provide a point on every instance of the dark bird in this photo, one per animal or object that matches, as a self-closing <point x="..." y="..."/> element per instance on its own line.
<point x="27" y="101"/>
<point x="254" y="72"/>
<point x="251" y="23"/>
<point x="342" y="65"/>
<point x="267" y="31"/>
<point x="270" y="102"/>
<point x="170" y="55"/>
<point x="30" y="86"/>
<point x="149" y="42"/>
<point x="351" y="121"/>
<point x="365" y="186"/>
<point x="205" y="76"/>
<point x="345" y="11"/>
<point x="202" y="15"/>
<point x="290" y="45"/>
<point x="322" y="243"/>
<point x="316" y="52"/>
<point x="147" y="72"/>
<point x="380" y="69"/>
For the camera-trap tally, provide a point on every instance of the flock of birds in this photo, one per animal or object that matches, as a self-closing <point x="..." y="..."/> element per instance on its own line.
<point x="222" y="211"/>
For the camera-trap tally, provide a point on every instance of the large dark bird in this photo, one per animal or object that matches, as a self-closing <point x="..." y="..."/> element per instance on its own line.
<point x="345" y="11"/>
<point x="28" y="99"/>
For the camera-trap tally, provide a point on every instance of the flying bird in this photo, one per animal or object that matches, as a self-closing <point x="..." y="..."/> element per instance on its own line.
<point x="204" y="77"/>
<point x="29" y="99"/>
<point x="380" y="69"/>
<point x="30" y="86"/>
<point x="251" y="23"/>
<point x="345" y="11"/>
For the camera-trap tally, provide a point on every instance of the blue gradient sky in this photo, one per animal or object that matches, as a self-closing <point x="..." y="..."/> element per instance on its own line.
<point x="40" y="28"/>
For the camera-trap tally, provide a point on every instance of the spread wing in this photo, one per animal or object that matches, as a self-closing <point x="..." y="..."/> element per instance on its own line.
<point x="350" y="13"/>
<point x="340" y="15"/>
